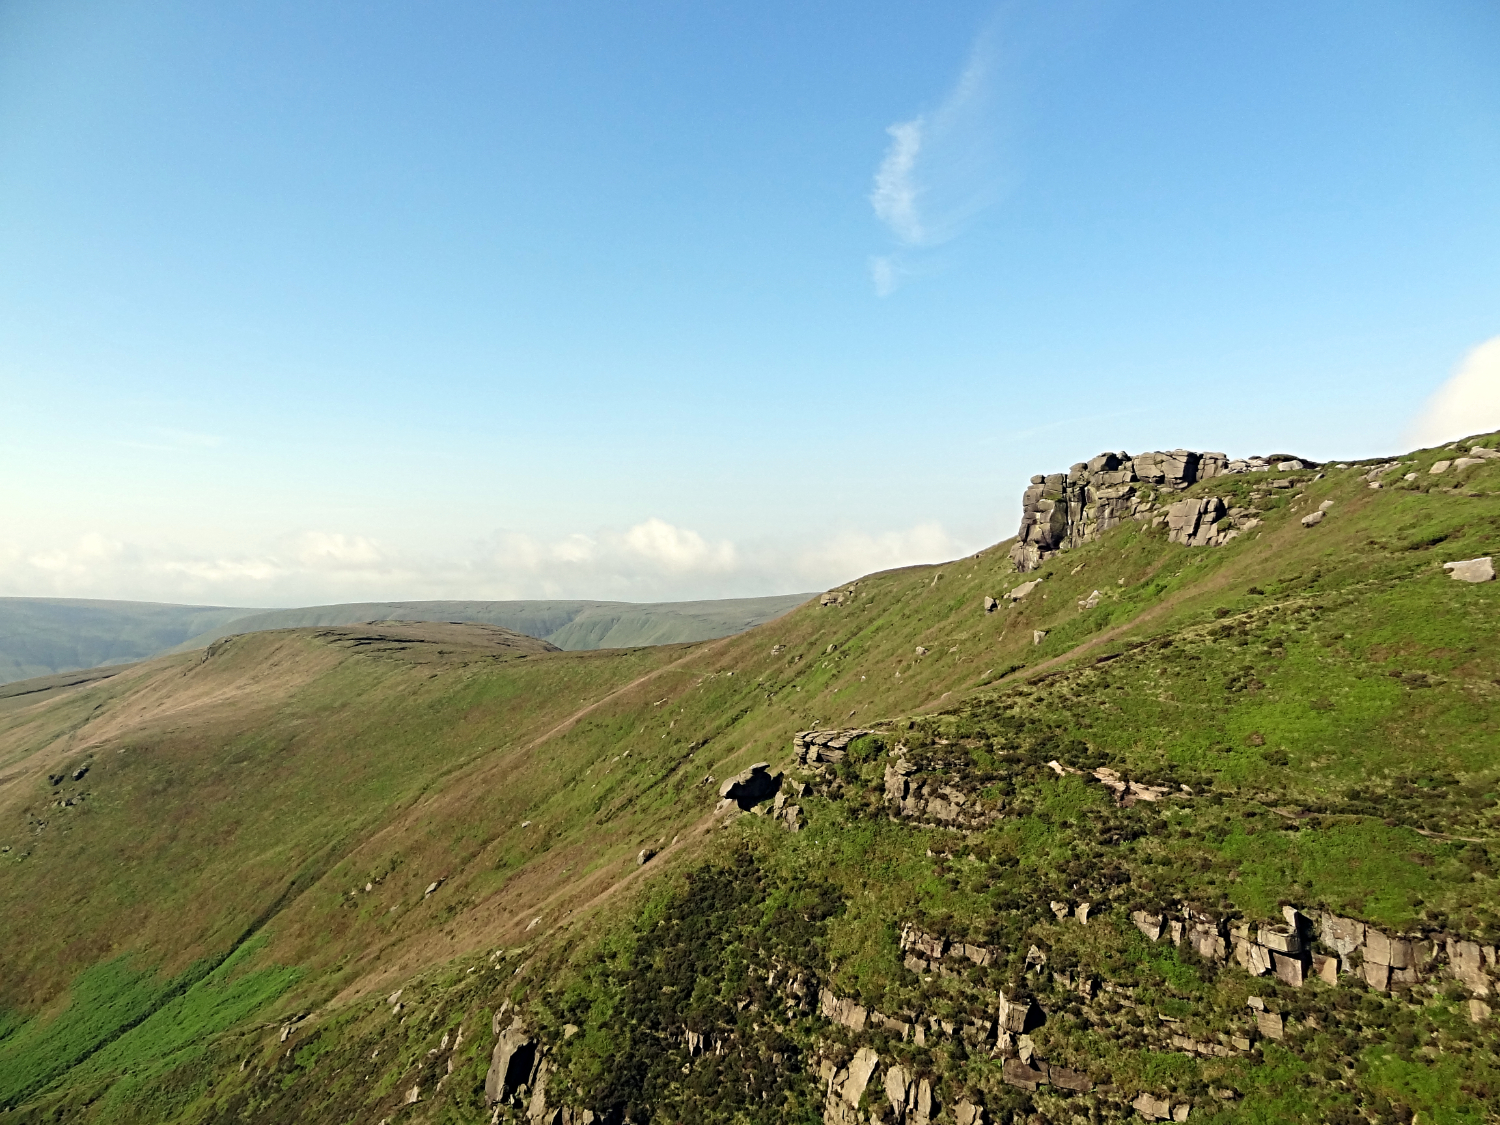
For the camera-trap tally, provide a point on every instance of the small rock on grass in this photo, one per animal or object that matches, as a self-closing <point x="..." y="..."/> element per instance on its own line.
<point x="1472" y="570"/>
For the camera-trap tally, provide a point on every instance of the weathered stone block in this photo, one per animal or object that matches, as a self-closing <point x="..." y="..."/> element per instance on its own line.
<point x="1152" y="1108"/>
<point x="1472" y="570"/>
<point x="1209" y="946"/>
<point x="511" y="1063"/>
<point x="1282" y="939"/>
<point x="860" y="1068"/>
<point x="844" y="1011"/>
<point x="897" y="1084"/>
<point x="1383" y="950"/>
<point x="1270" y="1025"/>
<point x="1148" y="924"/>
<point x="1468" y="966"/>
<point x="751" y="786"/>
<point x="1017" y="1073"/>
<point x="1075" y="1080"/>
<point x="1288" y="969"/>
<point x="1255" y="958"/>
<point x="1344" y="935"/>
<point x="1019" y="1015"/>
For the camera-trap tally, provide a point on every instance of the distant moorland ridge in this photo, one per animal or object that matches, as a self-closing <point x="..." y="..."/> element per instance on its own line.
<point x="45" y="636"/>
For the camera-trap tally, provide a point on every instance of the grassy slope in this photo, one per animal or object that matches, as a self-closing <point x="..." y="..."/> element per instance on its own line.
<point x="280" y="757"/>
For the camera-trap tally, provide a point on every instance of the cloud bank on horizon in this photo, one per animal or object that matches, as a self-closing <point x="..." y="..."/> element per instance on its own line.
<point x="1468" y="403"/>
<point x="650" y="561"/>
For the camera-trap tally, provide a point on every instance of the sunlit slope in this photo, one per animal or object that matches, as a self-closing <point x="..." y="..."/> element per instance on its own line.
<point x="243" y="797"/>
<point x="216" y="781"/>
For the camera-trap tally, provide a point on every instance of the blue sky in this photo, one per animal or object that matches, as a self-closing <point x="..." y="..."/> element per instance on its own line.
<point x="316" y="302"/>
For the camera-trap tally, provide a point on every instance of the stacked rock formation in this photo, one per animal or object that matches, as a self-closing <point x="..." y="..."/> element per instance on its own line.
<point x="824" y="745"/>
<point x="1064" y="510"/>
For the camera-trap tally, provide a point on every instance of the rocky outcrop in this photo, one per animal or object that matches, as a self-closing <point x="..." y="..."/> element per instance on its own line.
<point x="844" y="1011"/>
<point x="789" y="814"/>
<point x="1295" y="951"/>
<point x="909" y="1097"/>
<point x="518" y="1074"/>
<point x="1285" y="949"/>
<point x="932" y="798"/>
<point x="536" y="1109"/>
<point x="1195" y="523"/>
<point x="1153" y="1108"/>
<point x="751" y="786"/>
<point x="823" y="745"/>
<point x="1126" y="792"/>
<point x="1018" y="1015"/>
<point x="1030" y="1075"/>
<point x="1064" y="510"/>
<point x="512" y="1063"/>
<point x="846" y="1085"/>
<point x="924" y="953"/>
<point x="1479" y="456"/>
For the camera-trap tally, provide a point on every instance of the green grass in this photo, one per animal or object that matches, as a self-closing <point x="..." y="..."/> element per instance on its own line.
<point x="1328" y="697"/>
<point x="104" y="1001"/>
<point x="123" y="1023"/>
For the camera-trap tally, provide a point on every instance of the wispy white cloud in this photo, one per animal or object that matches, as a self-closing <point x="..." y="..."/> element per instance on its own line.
<point x="652" y="560"/>
<point x="939" y="168"/>
<point x="946" y="164"/>
<point x="895" y="195"/>
<point x="1468" y="403"/>
<point x="885" y="273"/>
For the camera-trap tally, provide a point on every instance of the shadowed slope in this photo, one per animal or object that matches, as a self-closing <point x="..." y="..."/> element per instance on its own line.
<point x="42" y="636"/>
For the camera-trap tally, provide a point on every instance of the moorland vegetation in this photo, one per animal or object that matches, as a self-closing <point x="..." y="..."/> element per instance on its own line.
<point x="1120" y="828"/>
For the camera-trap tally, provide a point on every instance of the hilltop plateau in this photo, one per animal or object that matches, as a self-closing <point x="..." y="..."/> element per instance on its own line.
<point x="1182" y="805"/>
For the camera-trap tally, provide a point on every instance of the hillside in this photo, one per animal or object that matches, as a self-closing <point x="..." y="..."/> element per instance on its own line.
<point x="570" y="625"/>
<point x="47" y="636"/>
<point x="1127" y="818"/>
